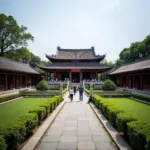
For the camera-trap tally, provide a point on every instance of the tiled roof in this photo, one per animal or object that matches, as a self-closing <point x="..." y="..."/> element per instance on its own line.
<point x="140" y="65"/>
<point x="11" y="65"/>
<point x="75" y="54"/>
<point x="89" y="65"/>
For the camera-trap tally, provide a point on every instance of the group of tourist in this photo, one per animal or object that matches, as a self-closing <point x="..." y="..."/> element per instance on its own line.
<point x="73" y="90"/>
<point x="92" y="80"/>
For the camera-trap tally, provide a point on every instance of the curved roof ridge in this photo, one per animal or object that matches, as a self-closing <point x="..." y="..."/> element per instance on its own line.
<point x="11" y="60"/>
<point x="136" y="61"/>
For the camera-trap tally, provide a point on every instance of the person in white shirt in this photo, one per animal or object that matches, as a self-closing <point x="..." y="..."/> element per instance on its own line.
<point x="71" y="94"/>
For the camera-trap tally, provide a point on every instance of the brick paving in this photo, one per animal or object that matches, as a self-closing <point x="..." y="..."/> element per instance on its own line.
<point x="76" y="128"/>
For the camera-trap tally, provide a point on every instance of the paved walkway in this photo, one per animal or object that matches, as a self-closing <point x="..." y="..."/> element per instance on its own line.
<point x="76" y="128"/>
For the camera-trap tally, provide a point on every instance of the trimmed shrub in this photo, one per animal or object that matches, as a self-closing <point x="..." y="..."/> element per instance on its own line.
<point x="112" y="113"/>
<point x="138" y="132"/>
<point x="108" y="85"/>
<point x="8" y="97"/>
<point x="41" y="112"/>
<point x="13" y="134"/>
<point x="141" y="97"/>
<point x="3" y="145"/>
<point x="42" y="86"/>
<point x="47" y="107"/>
<point x="30" y="120"/>
<point x="148" y="143"/>
<point x="122" y="120"/>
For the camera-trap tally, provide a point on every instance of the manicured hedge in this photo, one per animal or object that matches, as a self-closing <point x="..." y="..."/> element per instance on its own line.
<point x="8" y="97"/>
<point x="23" y="126"/>
<point x="41" y="112"/>
<point x="112" y="114"/>
<point x="137" y="132"/>
<point x="122" y="120"/>
<point x="30" y="120"/>
<point x="3" y="145"/>
<point x="13" y="134"/>
<point x="141" y="97"/>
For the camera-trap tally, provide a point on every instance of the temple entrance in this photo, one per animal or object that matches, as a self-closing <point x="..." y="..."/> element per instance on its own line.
<point x="75" y="77"/>
<point x="86" y="76"/>
<point x="64" y="76"/>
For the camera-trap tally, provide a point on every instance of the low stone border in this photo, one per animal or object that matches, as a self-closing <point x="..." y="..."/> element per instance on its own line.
<point x="11" y="100"/>
<point x="117" y="139"/>
<point x="34" y="140"/>
<point x="136" y="99"/>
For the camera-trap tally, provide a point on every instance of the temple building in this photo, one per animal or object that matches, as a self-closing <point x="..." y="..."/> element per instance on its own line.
<point x="16" y="75"/>
<point x="75" y="65"/>
<point x="135" y="75"/>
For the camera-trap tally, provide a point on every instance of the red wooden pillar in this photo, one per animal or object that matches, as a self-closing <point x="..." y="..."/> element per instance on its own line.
<point x="70" y="76"/>
<point x="20" y="81"/>
<point x="80" y="76"/>
<point x="6" y="84"/>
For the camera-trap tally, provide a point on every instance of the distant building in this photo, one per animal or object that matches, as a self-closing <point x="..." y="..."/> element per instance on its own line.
<point x="135" y="75"/>
<point x="15" y="75"/>
<point x="75" y="65"/>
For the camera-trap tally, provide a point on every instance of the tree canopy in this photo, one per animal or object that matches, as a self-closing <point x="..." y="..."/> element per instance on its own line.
<point x="137" y="50"/>
<point x="12" y="35"/>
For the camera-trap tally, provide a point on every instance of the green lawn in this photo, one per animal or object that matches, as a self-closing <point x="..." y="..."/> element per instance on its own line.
<point x="139" y="110"/>
<point x="12" y="110"/>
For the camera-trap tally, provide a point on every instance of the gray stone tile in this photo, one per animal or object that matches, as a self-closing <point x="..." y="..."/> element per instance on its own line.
<point x="104" y="146"/>
<point x="68" y="139"/>
<point x="55" y="132"/>
<point x="101" y="138"/>
<point x="84" y="132"/>
<point x="69" y="132"/>
<point x="49" y="138"/>
<point x="47" y="146"/>
<point x="85" y="138"/>
<point x="98" y="132"/>
<point x="67" y="146"/>
<point x="86" y="146"/>
<point x="68" y="128"/>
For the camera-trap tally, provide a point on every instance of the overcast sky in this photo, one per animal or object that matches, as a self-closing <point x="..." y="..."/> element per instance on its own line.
<point x="108" y="25"/>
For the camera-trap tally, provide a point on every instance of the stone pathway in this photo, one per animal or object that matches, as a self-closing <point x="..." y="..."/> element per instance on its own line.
<point x="76" y="128"/>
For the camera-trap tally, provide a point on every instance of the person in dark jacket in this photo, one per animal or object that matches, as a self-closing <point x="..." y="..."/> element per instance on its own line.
<point x="81" y="92"/>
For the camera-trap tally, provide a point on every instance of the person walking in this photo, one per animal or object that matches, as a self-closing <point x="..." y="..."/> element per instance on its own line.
<point x="81" y="92"/>
<point x="74" y="88"/>
<point x="71" y="94"/>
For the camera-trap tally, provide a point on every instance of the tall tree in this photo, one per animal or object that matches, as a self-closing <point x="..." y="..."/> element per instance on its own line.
<point x="137" y="50"/>
<point x="11" y="34"/>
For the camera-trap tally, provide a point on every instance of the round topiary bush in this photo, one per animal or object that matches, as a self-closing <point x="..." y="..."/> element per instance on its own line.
<point x="108" y="85"/>
<point x="42" y="86"/>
